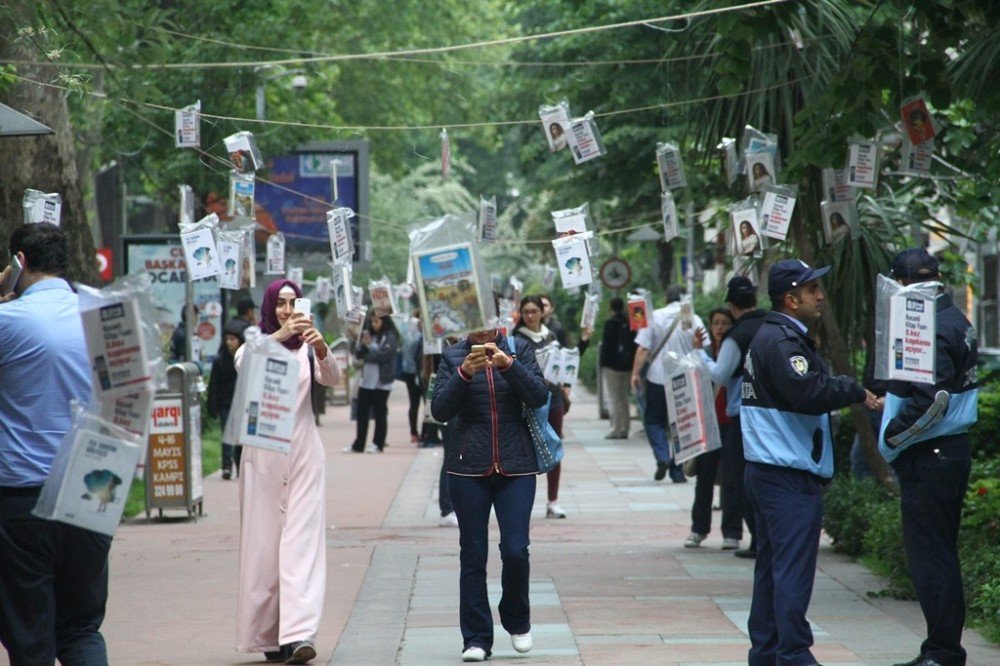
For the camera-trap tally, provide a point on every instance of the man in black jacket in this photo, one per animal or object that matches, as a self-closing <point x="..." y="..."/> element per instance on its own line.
<point x="617" y="352"/>
<point x="928" y="447"/>
<point x="727" y="370"/>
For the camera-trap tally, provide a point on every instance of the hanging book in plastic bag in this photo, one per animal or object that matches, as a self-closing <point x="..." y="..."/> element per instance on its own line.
<point x="571" y="220"/>
<point x="243" y="152"/>
<point x="487" y="219"/>
<point x="187" y="126"/>
<point x="452" y="282"/>
<point x="585" y="139"/>
<point x="339" y="229"/>
<point x="668" y="212"/>
<point x="840" y="220"/>
<point x="863" y="163"/>
<point x="200" y="251"/>
<point x="275" y="254"/>
<point x="41" y="207"/>
<point x="746" y="228"/>
<point x="91" y="475"/>
<point x="573" y="260"/>
<point x="241" y="193"/>
<point x="555" y="124"/>
<point x="230" y="246"/>
<point x="381" y="293"/>
<point x="671" y="166"/>
<point x="776" y="210"/>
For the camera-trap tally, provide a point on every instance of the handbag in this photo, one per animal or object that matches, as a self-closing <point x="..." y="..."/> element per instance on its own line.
<point x="548" y="446"/>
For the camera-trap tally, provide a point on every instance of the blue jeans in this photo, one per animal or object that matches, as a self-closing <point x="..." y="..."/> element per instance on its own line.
<point x="789" y="511"/>
<point x="511" y="497"/>
<point x="53" y="588"/>
<point x="654" y="420"/>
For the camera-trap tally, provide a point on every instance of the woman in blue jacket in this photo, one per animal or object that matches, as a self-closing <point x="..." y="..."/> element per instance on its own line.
<point x="483" y="384"/>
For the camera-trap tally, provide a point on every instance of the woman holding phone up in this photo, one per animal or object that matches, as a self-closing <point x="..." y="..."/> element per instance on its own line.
<point x="283" y="502"/>
<point x="482" y="384"/>
<point x="377" y="347"/>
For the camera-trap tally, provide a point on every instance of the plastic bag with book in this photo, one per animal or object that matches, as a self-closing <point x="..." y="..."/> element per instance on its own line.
<point x="451" y="279"/>
<point x="690" y="406"/>
<point x="263" y="408"/>
<point x="42" y="207"/>
<point x="200" y="251"/>
<point x="905" y="330"/>
<point x="671" y="166"/>
<point x="91" y="474"/>
<point x="555" y="124"/>
<point x="123" y="340"/>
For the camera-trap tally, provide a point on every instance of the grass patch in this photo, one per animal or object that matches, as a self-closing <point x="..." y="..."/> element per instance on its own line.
<point x="211" y="460"/>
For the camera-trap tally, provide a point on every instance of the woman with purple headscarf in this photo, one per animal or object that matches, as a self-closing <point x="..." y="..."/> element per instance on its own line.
<point x="282" y="504"/>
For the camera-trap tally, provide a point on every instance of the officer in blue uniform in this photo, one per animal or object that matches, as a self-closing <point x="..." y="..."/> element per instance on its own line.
<point x="787" y="393"/>
<point x="925" y="438"/>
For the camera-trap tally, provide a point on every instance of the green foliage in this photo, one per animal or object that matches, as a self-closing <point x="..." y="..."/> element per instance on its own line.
<point x="985" y="434"/>
<point x="847" y="511"/>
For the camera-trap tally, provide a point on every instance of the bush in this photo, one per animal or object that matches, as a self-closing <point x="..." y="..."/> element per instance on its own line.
<point x="847" y="511"/>
<point x="985" y="434"/>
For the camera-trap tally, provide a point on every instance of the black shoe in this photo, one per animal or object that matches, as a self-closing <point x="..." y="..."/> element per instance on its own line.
<point x="677" y="474"/>
<point x="661" y="471"/>
<point x="274" y="657"/>
<point x="301" y="653"/>
<point x="919" y="660"/>
<point x="227" y="474"/>
<point x="746" y="553"/>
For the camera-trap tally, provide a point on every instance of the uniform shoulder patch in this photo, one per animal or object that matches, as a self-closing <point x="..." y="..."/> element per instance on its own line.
<point x="799" y="364"/>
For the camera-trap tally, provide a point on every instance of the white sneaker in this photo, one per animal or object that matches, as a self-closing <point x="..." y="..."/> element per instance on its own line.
<point x="521" y="642"/>
<point x="373" y="449"/>
<point x="451" y="520"/>
<point x="694" y="540"/>
<point x="553" y="510"/>
<point x="730" y="544"/>
<point x="474" y="654"/>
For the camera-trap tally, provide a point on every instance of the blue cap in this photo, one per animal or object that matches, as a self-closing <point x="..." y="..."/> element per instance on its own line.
<point x="914" y="265"/>
<point x="791" y="273"/>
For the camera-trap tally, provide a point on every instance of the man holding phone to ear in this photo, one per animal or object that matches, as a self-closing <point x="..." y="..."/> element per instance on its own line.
<point x="53" y="576"/>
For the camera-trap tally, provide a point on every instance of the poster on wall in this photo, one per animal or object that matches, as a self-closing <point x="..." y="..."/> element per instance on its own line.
<point x="163" y="259"/>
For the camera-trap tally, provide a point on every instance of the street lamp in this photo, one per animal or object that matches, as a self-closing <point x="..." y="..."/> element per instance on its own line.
<point x="299" y="82"/>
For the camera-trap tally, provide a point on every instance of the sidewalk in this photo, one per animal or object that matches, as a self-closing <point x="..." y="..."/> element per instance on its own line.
<point x="611" y="584"/>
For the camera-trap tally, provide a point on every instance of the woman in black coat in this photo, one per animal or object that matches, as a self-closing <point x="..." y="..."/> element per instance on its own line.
<point x="222" y="386"/>
<point x="484" y="384"/>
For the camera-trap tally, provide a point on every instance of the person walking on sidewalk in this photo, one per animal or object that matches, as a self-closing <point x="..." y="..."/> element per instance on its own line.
<point x="932" y="461"/>
<point x="377" y="347"/>
<point x="707" y="464"/>
<point x="531" y="329"/>
<point x="222" y="385"/>
<point x="283" y="504"/>
<point x="53" y="576"/>
<point x="491" y="466"/>
<point x="617" y="352"/>
<point x="727" y="370"/>
<point x="662" y="335"/>
<point x="787" y="394"/>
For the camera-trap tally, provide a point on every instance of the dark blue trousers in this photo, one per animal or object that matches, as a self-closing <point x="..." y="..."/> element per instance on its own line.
<point x="932" y="487"/>
<point x="511" y="497"/>
<point x="789" y="511"/>
<point x="53" y="588"/>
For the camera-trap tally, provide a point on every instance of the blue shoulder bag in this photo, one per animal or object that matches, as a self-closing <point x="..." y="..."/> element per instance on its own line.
<point x="548" y="446"/>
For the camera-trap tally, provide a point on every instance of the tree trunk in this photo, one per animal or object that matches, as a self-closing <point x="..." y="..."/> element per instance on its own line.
<point x="833" y="339"/>
<point x="46" y="163"/>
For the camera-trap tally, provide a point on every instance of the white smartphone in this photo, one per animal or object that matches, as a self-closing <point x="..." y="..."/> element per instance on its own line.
<point x="15" y="274"/>
<point x="303" y="305"/>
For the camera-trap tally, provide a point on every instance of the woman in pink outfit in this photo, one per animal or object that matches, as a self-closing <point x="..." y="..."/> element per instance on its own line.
<point x="283" y="505"/>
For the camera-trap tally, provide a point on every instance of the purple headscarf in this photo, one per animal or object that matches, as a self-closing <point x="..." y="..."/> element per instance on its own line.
<point x="268" y="311"/>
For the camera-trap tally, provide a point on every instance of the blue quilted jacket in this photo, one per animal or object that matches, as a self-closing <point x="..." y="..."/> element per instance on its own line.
<point x="492" y="436"/>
